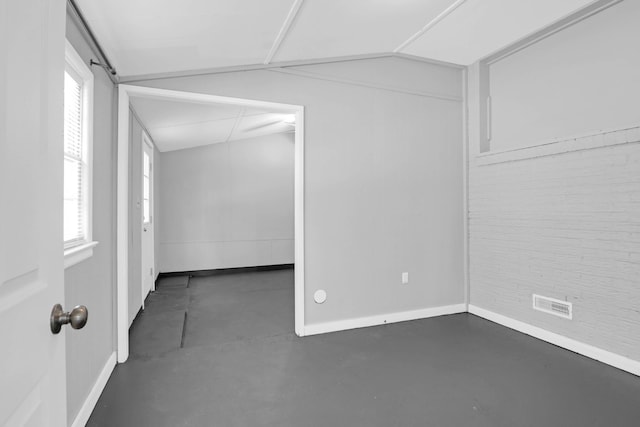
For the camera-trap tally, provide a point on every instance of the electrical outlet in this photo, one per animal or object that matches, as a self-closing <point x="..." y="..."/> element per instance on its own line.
<point x="405" y="278"/>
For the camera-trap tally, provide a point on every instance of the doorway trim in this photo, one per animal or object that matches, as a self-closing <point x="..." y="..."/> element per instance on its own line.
<point x="122" y="218"/>
<point x="147" y="141"/>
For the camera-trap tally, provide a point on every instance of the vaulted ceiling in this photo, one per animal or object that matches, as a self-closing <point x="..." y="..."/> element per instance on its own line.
<point x="144" y="37"/>
<point x="175" y="125"/>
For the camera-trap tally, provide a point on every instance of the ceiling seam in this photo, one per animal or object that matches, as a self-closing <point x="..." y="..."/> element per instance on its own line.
<point x="430" y="25"/>
<point x="199" y="122"/>
<point x="222" y="141"/>
<point x="142" y="125"/>
<point x="318" y="76"/>
<point x="425" y="60"/>
<point x="235" y="125"/>
<point x="284" y="30"/>
<point x="549" y="30"/>
<point x="284" y="64"/>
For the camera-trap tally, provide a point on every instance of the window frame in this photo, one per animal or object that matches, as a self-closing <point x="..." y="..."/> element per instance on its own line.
<point x="80" y="249"/>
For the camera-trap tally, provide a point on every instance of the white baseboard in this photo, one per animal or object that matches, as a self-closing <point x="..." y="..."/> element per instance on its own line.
<point x="90" y="402"/>
<point x="604" y="356"/>
<point x="382" y="319"/>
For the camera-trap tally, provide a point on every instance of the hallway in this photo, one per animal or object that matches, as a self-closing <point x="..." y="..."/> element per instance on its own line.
<point x="238" y="363"/>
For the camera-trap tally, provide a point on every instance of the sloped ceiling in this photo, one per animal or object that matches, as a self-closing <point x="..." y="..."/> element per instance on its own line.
<point x="144" y="37"/>
<point x="175" y="125"/>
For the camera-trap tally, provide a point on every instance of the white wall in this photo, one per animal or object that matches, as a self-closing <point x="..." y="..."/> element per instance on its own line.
<point x="579" y="81"/>
<point x="92" y="282"/>
<point x="563" y="220"/>
<point x="227" y="205"/>
<point x="383" y="180"/>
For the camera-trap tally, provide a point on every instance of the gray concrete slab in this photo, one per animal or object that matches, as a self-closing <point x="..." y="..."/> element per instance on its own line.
<point x="159" y="327"/>
<point x="172" y="282"/>
<point x="155" y="334"/>
<point x="452" y="371"/>
<point x="240" y="307"/>
<point x="167" y="300"/>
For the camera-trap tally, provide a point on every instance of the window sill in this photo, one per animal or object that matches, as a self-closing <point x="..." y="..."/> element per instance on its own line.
<point x="600" y="139"/>
<point x="76" y="254"/>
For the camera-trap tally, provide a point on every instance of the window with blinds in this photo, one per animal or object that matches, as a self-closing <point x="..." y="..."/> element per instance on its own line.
<point x="78" y="159"/>
<point x="75" y="162"/>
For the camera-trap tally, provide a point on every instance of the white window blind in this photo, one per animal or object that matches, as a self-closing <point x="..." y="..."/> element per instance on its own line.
<point x="75" y="163"/>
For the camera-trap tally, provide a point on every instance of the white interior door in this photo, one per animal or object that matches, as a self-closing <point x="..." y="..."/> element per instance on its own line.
<point x="32" y="360"/>
<point x="148" y="275"/>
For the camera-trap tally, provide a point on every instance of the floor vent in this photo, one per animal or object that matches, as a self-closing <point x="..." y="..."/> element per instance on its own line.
<point x="553" y="306"/>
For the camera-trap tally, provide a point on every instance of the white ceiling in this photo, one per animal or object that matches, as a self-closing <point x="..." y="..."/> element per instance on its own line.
<point x="330" y="28"/>
<point x="175" y="125"/>
<point x="481" y="27"/>
<point x="158" y="36"/>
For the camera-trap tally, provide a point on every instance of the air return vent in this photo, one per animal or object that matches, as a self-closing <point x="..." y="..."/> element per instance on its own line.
<point x="553" y="306"/>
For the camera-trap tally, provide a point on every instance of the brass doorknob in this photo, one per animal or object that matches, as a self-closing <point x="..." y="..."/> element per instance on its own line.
<point x="76" y="317"/>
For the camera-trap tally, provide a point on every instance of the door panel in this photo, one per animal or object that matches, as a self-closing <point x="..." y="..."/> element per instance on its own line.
<point x="148" y="274"/>
<point x="33" y="390"/>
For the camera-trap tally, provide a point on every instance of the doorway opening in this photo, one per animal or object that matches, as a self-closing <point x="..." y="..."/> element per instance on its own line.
<point x="147" y="270"/>
<point x="291" y="114"/>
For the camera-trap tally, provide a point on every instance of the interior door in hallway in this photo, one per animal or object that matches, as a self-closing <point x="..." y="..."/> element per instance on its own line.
<point x="32" y="361"/>
<point x="148" y="273"/>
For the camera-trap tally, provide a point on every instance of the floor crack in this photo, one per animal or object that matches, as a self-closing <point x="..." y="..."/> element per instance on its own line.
<point x="184" y="329"/>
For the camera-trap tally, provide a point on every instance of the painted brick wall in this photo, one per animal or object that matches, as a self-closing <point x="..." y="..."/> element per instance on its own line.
<point x="554" y="205"/>
<point x="563" y="225"/>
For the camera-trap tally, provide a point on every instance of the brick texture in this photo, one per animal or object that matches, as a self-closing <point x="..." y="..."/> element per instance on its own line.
<point x="564" y="225"/>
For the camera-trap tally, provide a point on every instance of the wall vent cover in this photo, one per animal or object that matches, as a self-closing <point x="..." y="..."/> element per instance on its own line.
<point x="553" y="306"/>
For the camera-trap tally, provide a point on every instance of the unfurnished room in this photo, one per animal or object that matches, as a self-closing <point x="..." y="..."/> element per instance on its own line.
<point x="312" y="213"/>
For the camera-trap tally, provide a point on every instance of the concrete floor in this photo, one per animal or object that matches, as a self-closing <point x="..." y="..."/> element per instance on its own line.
<point x="239" y="363"/>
